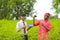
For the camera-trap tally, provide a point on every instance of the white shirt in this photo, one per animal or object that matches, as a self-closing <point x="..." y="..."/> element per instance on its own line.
<point x="21" y="25"/>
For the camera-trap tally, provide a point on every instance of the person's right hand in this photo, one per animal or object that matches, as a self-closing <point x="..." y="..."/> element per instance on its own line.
<point x="33" y="18"/>
<point x="24" y="27"/>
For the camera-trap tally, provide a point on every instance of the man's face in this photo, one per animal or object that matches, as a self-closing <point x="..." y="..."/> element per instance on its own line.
<point x="23" y="17"/>
<point x="46" y="17"/>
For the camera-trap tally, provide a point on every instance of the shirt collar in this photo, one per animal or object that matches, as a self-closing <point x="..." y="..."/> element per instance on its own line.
<point x="22" y="20"/>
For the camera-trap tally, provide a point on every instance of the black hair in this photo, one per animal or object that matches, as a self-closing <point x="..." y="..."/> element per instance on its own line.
<point x="23" y="14"/>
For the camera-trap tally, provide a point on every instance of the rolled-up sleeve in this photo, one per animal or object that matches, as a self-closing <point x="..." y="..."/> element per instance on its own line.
<point x="37" y="23"/>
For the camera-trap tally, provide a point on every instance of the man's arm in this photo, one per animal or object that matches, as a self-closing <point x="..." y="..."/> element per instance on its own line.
<point x="33" y="20"/>
<point x="18" y="27"/>
<point x="30" y="26"/>
<point x="34" y="24"/>
<point x="37" y="23"/>
<point x="47" y="27"/>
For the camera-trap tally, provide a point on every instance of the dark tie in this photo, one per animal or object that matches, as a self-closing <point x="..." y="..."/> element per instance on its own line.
<point x="25" y="36"/>
<point x="24" y="28"/>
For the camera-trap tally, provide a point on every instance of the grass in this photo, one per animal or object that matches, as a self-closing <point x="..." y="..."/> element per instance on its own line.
<point x="8" y="30"/>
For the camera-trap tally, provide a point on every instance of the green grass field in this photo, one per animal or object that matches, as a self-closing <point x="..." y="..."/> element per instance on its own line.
<point x="8" y="30"/>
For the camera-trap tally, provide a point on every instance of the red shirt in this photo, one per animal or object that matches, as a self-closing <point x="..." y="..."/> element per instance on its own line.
<point x="41" y="28"/>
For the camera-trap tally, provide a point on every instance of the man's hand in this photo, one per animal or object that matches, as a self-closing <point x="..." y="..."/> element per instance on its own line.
<point x="33" y="20"/>
<point x="44" y="26"/>
<point x="24" y="27"/>
<point x="19" y="29"/>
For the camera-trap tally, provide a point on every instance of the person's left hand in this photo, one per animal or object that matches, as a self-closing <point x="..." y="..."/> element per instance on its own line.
<point x="42" y="24"/>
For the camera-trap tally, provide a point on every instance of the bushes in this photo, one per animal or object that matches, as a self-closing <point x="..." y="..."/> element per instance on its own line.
<point x="8" y="31"/>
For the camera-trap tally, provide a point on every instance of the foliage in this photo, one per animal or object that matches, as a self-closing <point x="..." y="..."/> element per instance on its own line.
<point x="8" y="30"/>
<point x="13" y="8"/>
<point x="56" y="5"/>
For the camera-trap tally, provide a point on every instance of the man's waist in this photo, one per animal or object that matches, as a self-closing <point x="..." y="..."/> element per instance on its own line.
<point x="22" y="31"/>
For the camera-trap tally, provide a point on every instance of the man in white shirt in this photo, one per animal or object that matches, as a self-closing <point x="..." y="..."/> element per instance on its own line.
<point x="22" y="26"/>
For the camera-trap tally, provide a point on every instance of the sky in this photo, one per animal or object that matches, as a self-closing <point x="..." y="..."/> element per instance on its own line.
<point x="43" y="6"/>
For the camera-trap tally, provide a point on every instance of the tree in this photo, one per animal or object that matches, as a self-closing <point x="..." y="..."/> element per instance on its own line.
<point x="13" y="8"/>
<point x="3" y="8"/>
<point x="56" y="5"/>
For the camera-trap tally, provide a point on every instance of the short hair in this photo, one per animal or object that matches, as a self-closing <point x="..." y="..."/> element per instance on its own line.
<point x="23" y="14"/>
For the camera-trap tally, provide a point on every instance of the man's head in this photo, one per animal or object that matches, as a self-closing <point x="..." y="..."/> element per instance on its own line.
<point x="23" y="16"/>
<point x="46" y="16"/>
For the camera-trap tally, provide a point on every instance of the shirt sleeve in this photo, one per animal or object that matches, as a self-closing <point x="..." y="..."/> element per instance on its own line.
<point x="37" y="23"/>
<point x="18" y="26"/>
<point x="49" y="26"/>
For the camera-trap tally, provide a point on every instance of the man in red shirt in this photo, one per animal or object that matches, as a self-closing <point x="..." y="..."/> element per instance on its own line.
<point x="44" y="27"/>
